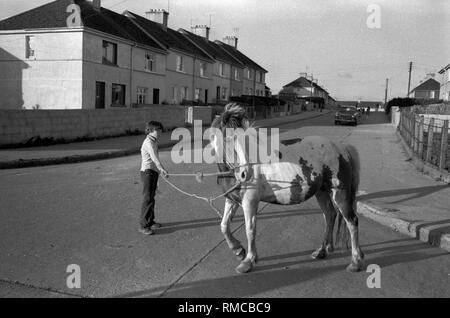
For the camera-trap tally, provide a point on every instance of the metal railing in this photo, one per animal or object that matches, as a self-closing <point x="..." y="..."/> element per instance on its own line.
<point x="427" y="137"/>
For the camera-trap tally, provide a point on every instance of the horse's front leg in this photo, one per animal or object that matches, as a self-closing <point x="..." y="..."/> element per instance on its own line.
<point x="250" y="209"/>
<point x="228" y="214"/>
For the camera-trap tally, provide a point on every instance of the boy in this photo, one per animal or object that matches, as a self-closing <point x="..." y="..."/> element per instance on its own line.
<point x="150" y="168"/>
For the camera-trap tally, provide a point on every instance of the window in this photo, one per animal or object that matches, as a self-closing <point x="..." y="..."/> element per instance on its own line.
<point x="197" y="94"/>
<point x="250" y="91"/>
<point x="221" y="69"/>
<point x="180" y="65"/>
<point x="261" y="77"/>
<point x="174" y="93"/>
<point x="184" y="93"/>
<point x="109" y="53"/>
<point x="202" y="69"/>
<point x="257" y="77"/>
<point x="224" y="93"/>
<point x="249" y="74"/>
<point x="141" y="95"/>
<point x="150" y="61"/>
<point x="118" y="95"/>
<point x="29" y="53"/>
<point x="236" y="74"/>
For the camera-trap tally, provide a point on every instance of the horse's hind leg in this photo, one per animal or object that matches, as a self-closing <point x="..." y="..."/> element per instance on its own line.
<point x="329" y="213"/>
<point x="346" y="203"/>
<point x="233" y="243"/>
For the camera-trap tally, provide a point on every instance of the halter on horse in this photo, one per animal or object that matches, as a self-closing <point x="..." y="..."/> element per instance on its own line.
<point x="319" y="167"/>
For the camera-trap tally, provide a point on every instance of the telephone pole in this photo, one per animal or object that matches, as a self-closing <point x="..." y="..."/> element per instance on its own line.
<point x="386" y="92"/>
<point x="409" y="79"/>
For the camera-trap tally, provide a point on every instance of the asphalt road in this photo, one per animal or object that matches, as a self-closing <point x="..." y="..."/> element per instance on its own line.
<point x="87" y="214"/>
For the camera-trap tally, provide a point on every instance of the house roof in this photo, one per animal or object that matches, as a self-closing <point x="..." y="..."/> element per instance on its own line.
<point x="244" y="59"/>
<point x="304" y="82"/>
<point x="213" y="49"/>
<point x="171" y="39"/>
<point x="429" y="85"/>
<point x="54" y="15"/>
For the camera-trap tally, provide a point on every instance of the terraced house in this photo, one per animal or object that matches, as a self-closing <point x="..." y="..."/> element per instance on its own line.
<point x="227" y="71"/>
<point x="71" y="54"/>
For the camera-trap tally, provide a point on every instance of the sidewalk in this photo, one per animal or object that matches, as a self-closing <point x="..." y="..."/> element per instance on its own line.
<point x="394" y="193"/>
<point x="105" y="148"/>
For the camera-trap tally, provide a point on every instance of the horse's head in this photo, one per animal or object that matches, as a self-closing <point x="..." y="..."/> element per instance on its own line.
<point x="228" y="147"/>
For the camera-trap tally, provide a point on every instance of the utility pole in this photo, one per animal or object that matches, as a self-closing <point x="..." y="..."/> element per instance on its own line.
<point x="409" y="79"/>
<point x="386" y="92"/>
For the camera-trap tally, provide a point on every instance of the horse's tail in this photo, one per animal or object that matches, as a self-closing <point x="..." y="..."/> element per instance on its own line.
<point x="343" y="235"/>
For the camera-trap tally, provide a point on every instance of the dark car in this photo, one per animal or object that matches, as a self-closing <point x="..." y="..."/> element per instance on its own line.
<point x="347" y="114"/>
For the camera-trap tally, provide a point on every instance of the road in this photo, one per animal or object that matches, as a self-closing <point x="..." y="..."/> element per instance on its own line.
<point x="87" y="214"/>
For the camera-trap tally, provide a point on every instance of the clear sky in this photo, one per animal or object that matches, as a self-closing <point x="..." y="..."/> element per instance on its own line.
<point x="329" y="38"/>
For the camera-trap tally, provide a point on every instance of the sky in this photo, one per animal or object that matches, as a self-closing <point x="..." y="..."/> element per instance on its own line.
<point x="349" y="46"/>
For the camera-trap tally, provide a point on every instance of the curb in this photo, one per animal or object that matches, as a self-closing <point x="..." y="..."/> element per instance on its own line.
<point x="24" y="163"/>
<point x="427" y="232"/>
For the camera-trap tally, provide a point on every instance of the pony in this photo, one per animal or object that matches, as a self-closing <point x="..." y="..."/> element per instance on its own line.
<point x="316" y="167"/>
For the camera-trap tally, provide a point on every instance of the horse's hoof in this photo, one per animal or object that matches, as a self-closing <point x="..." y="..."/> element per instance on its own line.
<point x="320" y="253"/>
<point x="241" y="254"/>
<point x="354" y="267"/>
<point x="244" y="267"/>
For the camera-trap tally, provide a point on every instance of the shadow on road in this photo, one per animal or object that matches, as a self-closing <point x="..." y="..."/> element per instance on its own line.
<point x="415" y="193"/>
<point x="178" y="226"/>
<point x="274" y="276"/>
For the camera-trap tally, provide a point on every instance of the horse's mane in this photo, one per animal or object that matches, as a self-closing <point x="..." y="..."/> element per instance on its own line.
<point x="233" y="116"/>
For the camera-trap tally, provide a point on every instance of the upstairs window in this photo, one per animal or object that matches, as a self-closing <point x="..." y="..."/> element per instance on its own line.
<point x="29" y="52"/>
<point x="150" y="61"/>
<point x="221" y="69"/>
<point x="203" y="69"/>
<point x="249" y="74"/>
<point x="109" y="53"/>
<point x="180" y="65"/>
<point x="236" y="74"/>
<point x="261" y="77"/>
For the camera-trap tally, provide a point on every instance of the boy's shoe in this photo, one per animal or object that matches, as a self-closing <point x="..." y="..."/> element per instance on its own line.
<point x="155" y="225"/>
<point x="146" y="231"/>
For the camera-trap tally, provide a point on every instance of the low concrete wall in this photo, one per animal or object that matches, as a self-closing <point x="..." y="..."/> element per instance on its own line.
<point x="20" y="126"/>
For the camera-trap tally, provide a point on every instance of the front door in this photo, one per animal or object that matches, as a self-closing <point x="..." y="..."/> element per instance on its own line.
<point x="100" y="95"/>
<point x="156" y="96"/>
<point x="218" y="94"/>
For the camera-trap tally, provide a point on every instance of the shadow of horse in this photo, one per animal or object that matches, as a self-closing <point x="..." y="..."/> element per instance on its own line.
<point x="414" y="192"/>
<point x="195" y="224"/>
<point x="267" y="278"/>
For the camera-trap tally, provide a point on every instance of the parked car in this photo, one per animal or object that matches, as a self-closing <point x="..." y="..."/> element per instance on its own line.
<point x="347" y="114"/>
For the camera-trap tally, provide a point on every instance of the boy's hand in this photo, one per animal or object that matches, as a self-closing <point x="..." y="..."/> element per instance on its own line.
<point x="164" y="173"/>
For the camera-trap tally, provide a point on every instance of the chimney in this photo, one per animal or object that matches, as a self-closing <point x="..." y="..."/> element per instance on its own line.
<point x="201" y="30"/>
<point x="160" y="16"/>
<point x="97" y="4"/>
<point x="231" y="40"/>
<point x="429" y="75"/>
